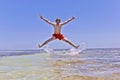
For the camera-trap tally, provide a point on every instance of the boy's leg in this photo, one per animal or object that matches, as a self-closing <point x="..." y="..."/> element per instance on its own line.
<point x="51" y="39"/>
<point x="66" y="40"/>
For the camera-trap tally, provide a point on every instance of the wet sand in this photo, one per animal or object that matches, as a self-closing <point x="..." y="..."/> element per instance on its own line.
<point x="43" y="66"/>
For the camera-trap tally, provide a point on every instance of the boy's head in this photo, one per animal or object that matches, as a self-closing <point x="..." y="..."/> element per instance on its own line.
<point x="57" y="20"/>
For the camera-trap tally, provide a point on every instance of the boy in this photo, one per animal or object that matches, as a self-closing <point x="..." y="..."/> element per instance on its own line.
<point x="57" y="31"/>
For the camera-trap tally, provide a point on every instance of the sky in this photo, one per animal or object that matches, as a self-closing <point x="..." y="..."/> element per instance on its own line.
<point x="96" y="24"/>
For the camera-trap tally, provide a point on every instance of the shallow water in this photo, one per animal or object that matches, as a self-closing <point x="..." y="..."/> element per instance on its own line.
<point x="48" y="64"/>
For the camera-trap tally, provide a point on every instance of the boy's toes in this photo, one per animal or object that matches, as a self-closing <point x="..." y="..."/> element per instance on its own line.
<point x="77" y="46"/>
<point x="39" y="46"/>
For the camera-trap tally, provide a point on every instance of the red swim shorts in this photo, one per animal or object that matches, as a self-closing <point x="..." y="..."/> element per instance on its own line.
<point x="58" y="36"/>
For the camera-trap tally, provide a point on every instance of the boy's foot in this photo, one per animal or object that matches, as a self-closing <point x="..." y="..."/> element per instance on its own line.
<point x="39" y="46"/>
<point x="77" y="46"/>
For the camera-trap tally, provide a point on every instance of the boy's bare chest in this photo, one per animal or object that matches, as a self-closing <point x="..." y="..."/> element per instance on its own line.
<point x="57" y="26"/>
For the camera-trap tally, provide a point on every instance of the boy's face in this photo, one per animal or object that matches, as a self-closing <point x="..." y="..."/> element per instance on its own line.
<point x="57" y="21"/>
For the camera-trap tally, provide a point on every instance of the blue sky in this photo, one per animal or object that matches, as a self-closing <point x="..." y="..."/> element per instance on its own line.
<point x="97" y="23"/>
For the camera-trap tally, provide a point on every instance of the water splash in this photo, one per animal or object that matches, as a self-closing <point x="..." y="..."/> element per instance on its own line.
<point x="74" y="51"/>
<point x="71" y="51"/>
<point x="48" y="50"/>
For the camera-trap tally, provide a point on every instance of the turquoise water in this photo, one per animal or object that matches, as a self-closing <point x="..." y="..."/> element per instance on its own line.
<point x="69" y="64"/>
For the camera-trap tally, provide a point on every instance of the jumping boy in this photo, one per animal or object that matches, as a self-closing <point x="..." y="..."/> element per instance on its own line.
<point x="57" y="31"/>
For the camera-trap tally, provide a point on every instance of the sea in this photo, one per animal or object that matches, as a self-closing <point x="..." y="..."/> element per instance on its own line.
<point x="60" y="64"/>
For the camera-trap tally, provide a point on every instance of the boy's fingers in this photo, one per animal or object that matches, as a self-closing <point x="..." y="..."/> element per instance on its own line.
<point x="73" y="17"/>
<point x="41" y="17"/>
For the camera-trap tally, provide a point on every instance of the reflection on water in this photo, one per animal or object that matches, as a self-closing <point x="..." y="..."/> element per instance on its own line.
<point x="91" y="64"/>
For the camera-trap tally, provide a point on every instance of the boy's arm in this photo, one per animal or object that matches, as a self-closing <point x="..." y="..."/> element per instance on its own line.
<point x="68" y="21"/>
<point x="46" y="20"/>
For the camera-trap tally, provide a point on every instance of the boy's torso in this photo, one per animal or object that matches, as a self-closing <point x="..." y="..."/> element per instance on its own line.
<point x="57" y="28"/>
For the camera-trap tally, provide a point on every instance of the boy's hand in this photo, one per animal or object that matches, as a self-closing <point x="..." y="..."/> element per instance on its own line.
<point x="41" y="17"/>
<point x="73" y="17"/>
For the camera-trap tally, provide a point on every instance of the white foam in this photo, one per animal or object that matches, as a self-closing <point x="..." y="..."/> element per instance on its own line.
<point x="48" y="50"/>
<point x="73" y="51"/>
